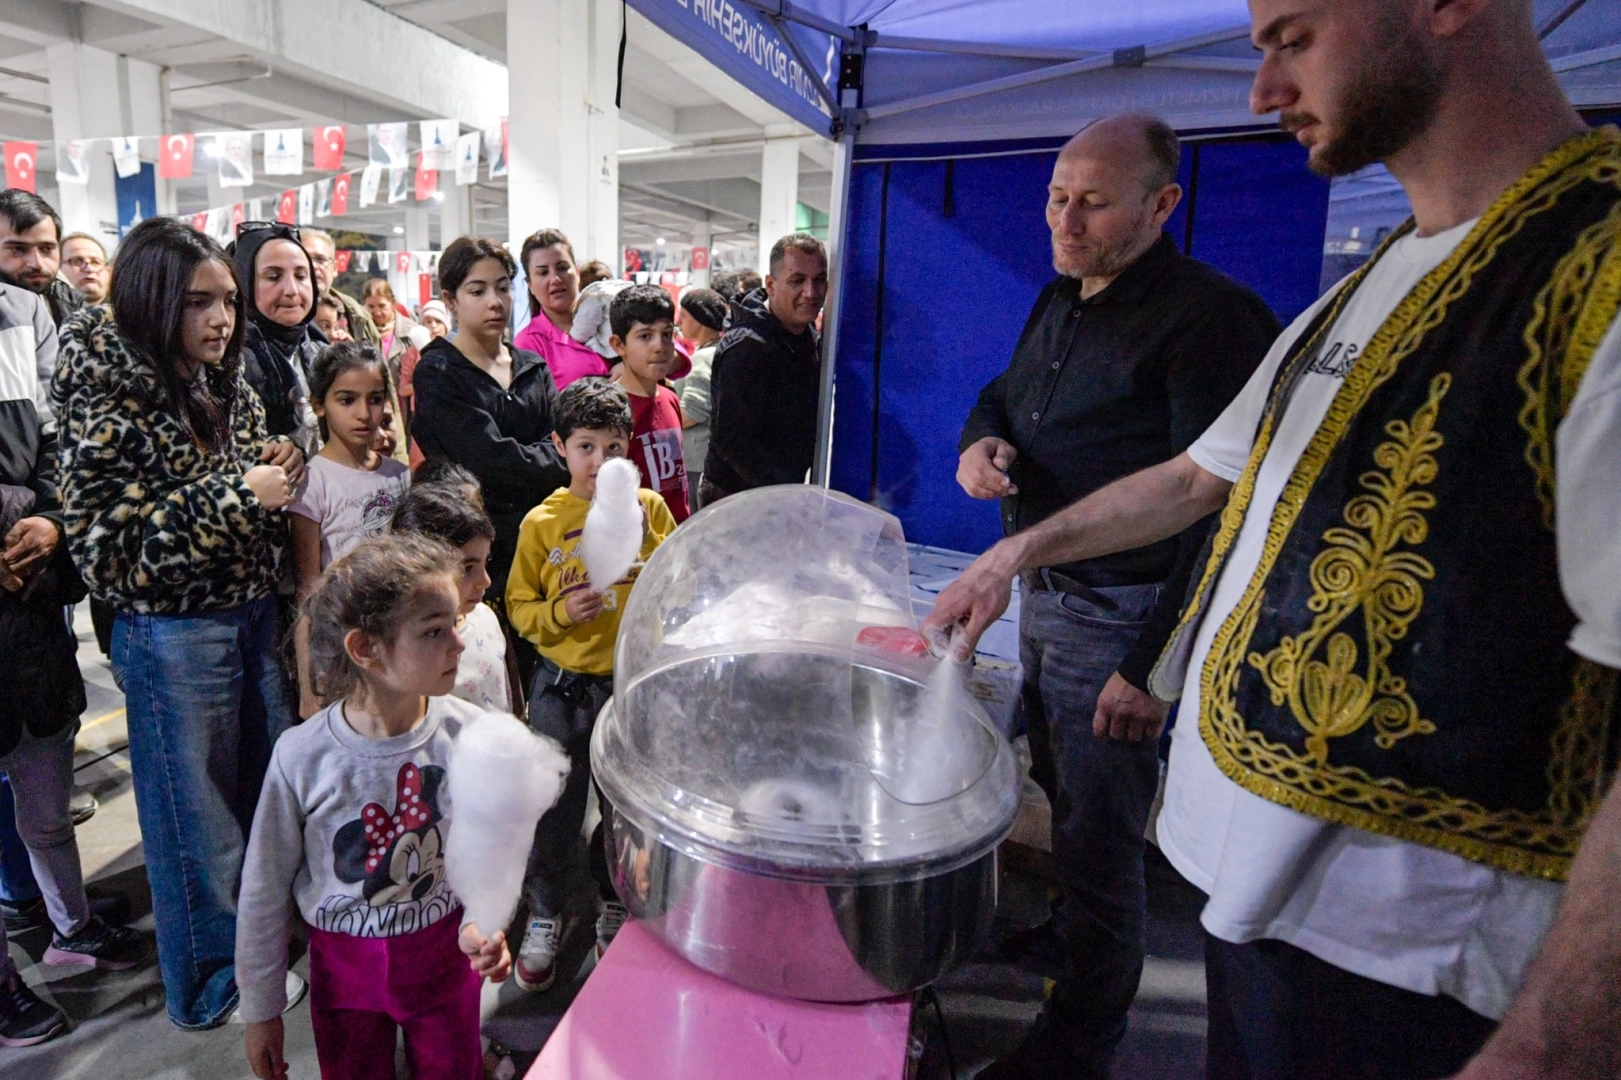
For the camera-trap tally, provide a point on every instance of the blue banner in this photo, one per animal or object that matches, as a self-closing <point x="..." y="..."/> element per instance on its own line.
<point x="743" y="43"/>
<point x="137" y="197"/>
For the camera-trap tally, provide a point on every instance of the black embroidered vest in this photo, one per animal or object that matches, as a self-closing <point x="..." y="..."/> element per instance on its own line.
<point x="1398" y="660"/>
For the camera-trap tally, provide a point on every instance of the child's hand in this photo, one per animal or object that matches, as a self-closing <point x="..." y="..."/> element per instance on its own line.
<point x="583" y="606"/>
<point x="487" y="956"/>
<point x="264" y="1045"/>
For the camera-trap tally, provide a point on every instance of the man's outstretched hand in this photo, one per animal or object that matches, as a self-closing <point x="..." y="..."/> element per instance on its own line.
<point x="974" y="601"/>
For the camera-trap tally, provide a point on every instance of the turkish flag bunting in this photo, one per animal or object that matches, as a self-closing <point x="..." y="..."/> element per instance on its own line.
<point x="340" y="193"/>
<point x="329" y="144"/>
<point x="424" y="288"/>
<point x="238" y="212"/>
<point x="427" y="180"/>
<point x="287" y="207"/>
<point x="174" y="163"/>
<point x="22" y="163"/>
<point x="200" y="221"/>
<point x="402" y="262"/>
<point x="341" y="259"/>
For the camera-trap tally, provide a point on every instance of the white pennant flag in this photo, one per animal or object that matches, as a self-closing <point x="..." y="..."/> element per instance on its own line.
<point x="235" y="152"/>
<point x="496" y="144"/>
<point x="467" y="159"/>
<point x="284" y="152"/>
<point x="306" y="204"/>
<point x="360" y="260"/>
<point x="323" y="198"/>
<point x="256" y="210"/>
<point x="369" y="179"/>
<point x="73" y="161"/>
<point x="396" y="184"/>
<point x="218" y="224"/>
<point x="438" y="144"/>
<point x="386" y="144"/>
<point x="127" y="156"/>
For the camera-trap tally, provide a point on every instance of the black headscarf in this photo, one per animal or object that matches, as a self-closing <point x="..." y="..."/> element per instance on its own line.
<point x="283" y="338"/>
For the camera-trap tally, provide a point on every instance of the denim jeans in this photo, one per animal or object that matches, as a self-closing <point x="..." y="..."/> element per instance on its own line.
<point x="566" y="712"/>
<point x="206" y="697"/>
<point x="17" y="884"/>
<point x="1101" y="791"/>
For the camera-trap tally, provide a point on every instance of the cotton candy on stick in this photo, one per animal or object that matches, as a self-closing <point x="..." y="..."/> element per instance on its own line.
<point x="502" y="778"/>
<point x="612" y="537"/>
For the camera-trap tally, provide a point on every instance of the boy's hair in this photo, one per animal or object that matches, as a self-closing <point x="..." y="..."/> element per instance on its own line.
<point x="443" y="512"/>
<point x="370" y="590"/>
<point x="594" y="404"/>
<point x="639" y="304"/>
<point x="338" y="359"/>
<point x="447" y="472"/>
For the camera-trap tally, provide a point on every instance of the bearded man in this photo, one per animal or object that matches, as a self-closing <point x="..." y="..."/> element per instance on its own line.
<point x="1130" y="352"/>
<point x="1398" y="669"/>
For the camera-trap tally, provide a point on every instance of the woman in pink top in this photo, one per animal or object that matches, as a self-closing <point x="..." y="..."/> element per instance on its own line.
<point x="553" y="278"/>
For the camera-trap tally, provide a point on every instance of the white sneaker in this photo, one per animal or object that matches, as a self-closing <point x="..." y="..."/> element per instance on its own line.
<point x="296" y="989"/>
<point x="611" y="915"/>
<point x="536" y="965"/>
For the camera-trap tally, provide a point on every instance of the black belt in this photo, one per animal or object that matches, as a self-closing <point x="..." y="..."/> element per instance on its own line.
<point x="1048" y="579"/>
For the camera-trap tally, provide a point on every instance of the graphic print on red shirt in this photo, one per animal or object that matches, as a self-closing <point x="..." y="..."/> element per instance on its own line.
<point x="656" y="448"/>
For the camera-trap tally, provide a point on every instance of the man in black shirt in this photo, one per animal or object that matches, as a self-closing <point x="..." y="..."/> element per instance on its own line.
<point x="765" y="382"/>
<point x="1128" y="355"/>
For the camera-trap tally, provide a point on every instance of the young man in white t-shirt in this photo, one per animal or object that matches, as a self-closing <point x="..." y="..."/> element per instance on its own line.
<point x="1348" y="940"/>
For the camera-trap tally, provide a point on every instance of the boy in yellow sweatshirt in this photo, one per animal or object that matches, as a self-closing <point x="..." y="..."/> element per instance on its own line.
<point x="550" y="602"/>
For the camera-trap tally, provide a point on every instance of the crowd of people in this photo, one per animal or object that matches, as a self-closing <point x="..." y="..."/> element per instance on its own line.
<point x="322" y="535"/>
<point x="1372" y="555"/>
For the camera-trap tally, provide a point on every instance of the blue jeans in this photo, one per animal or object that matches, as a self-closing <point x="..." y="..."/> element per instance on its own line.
<point x="1101" y="791"/>
<point x="17" y="882"/>
<point x="206" y="697"/>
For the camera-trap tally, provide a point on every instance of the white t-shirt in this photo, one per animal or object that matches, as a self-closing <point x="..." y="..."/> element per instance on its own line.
<point x="350" y="505"/>
<point x="481" y="675"/>
<point x="1402" y="913"/>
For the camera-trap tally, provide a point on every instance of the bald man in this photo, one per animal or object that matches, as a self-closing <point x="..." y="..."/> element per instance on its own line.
<point x="1130" y="352"/>
<point x="1398" y="672"/>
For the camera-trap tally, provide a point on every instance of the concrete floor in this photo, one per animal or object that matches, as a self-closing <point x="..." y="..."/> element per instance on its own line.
<point x="120" y="1028"/>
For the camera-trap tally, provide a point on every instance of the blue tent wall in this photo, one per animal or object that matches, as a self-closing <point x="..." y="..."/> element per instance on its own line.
<point x="958" y="277"/>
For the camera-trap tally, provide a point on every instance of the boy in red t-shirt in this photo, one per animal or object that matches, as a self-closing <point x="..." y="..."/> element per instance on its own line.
<point x="643" y="322"/>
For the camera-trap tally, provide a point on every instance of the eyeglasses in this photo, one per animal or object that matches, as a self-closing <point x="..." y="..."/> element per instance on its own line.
<point x="85" y="262"/>
<point x="289" y="231"/>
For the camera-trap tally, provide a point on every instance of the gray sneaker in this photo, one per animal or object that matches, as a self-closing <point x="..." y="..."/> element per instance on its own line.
<point x="536" y="965"/>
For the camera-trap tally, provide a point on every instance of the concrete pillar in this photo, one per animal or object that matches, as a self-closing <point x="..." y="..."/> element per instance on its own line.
<point x="563" y="127"/>
<point x="703" y="236"/>
<point x="779" y="194"/>
<point x="86" y="101"/>
<point x="455" y="214"/>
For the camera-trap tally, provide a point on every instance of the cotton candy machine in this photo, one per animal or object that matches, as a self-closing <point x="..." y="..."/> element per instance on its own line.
<point x="800" y="804"/>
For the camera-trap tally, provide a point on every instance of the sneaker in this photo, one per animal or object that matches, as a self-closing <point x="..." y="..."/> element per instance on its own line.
<point x="296" y="988"/>
<point x="24" y="1018"/>
<point x="25" y="915"/>
<point x="100" y="945"/>
<point x="536" y="965"/>
<point x="81" y="806"/>
<point x="611" y="915"/>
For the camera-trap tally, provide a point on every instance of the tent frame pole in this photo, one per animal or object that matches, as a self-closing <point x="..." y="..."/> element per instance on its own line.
<point x="838" y="223"/>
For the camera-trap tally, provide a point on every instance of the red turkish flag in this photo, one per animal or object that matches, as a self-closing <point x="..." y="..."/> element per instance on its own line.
<point x="174" y="163"/>
<point x="287" y="207"/>
<point x="329" y="144"/>
<point x="402" y="262"/>
<point x="22" y="164"/>
<point x="424" y="288"/>
<point x="340" y="193"/>
<point x="238" y="212"/>
<point x="200" y="221"/>
<point x="427" y="180"/>
<point x="341" y="261"/>
<point x="700" y="258"/>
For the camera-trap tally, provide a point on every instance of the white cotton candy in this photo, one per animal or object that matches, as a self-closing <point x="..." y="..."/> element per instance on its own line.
<point x="613" y="526"/>
<point x="502" y="777"/>
<point x="936" y="756"/>
<point x="419" y="337"/>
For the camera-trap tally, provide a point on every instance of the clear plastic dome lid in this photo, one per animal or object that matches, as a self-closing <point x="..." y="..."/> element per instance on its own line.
<point x="775" y="707"/>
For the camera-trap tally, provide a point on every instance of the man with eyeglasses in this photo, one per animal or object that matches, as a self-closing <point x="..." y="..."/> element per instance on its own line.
<point x="84" y="264"/>
<point x="31" y="253"/>
<point x="323" y="253"/>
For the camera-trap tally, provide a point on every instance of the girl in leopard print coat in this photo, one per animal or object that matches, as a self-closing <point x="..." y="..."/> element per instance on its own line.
<point x="171" y="499"/>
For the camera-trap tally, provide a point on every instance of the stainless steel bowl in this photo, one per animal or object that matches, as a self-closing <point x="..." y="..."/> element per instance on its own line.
<point x="768" y="821"/>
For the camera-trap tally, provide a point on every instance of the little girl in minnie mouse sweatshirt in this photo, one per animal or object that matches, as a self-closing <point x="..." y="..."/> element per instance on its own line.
<point x="350" y="833"/>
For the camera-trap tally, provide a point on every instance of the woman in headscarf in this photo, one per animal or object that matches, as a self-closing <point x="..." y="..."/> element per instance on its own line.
<point x="277" y="281"/>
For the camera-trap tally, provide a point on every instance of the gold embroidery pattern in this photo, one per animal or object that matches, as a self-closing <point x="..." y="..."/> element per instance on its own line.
<point x="1569" y="318"/>
<point x="1361" y="570"/>
<point x="1508" y="839"/>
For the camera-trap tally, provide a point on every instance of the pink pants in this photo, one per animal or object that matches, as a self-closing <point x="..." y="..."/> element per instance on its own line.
<point x="363" y="989"/>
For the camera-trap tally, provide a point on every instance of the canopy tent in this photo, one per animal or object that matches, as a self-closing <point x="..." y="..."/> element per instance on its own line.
<point x="946" y="115"/>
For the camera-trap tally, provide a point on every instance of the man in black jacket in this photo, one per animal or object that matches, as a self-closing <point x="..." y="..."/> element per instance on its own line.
<point x="31" y="251"/>
<point x="765" y="383"/>
<point x="1128" y="355"/>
